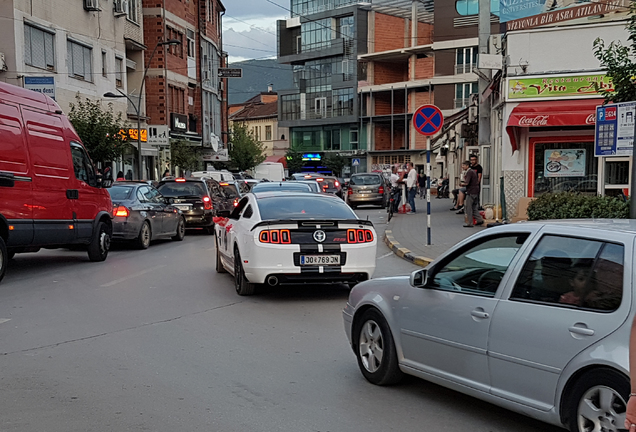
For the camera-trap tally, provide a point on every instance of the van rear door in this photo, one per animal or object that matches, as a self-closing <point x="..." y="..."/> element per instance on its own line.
<point x="53" y="195"/>
<point x="17" y="200"/>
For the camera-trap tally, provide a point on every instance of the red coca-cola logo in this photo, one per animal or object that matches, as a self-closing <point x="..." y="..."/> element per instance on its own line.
<point x="591" y="119"/>
<point x="540" y="120"/>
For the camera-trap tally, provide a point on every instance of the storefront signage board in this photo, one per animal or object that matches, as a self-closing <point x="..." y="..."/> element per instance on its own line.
<point x="614" y="134"/>
<point x="564" y="163"/>
<point x="551" y="87"/>
<point x="44" y="85"/>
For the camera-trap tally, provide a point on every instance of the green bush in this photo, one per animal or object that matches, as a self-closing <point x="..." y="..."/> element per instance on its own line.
<point x="568" y="205"/>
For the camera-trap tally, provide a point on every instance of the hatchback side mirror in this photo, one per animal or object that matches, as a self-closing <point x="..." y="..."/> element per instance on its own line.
<point x="419" y="278"/>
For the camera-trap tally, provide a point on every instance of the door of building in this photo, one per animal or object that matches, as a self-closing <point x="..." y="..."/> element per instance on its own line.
<point x="615" y="176"/>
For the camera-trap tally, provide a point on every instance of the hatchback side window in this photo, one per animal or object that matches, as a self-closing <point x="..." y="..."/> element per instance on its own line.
<point x="82" y="165"/>
<point x="573" y="272"/>
<point x="480" y="267"/>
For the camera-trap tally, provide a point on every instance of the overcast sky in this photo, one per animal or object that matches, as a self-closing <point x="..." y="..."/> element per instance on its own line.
<point x="249" y="28"/>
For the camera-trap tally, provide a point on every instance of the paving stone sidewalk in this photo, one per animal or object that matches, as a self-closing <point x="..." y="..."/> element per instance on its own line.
<point x="406" y="234"/>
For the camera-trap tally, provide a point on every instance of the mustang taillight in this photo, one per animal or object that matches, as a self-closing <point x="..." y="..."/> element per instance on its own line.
<point x="359" y="236"/>
<point x="122" y="211"/>
<point x="381" y="189"/>
<point x="207" y="203"/>
<point x="275" y="236"/>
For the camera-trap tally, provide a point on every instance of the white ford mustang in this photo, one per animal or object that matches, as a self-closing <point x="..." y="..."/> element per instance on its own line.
<point x="290" y="238"/>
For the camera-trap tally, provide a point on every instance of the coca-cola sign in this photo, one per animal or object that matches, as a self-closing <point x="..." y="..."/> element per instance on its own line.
<point x="591" y="119"/>
<point x="536" y="121"/>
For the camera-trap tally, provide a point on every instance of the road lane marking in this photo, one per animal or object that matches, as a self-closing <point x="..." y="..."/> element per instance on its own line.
<point x="4" y="320"/>
<point x="134" y="275"/>
<point x="386" y="255"/>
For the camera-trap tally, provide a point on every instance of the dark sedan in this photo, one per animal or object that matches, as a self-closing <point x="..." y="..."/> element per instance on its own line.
<point x="142" y="214"/>
<point x="193" y="196"/>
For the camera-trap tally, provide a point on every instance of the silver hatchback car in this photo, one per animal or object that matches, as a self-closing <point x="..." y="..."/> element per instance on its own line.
<point x="534" y="317"/>
<point x="368" y="188"/>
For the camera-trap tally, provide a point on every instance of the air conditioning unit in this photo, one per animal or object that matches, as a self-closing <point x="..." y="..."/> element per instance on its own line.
<point x="91" y="5"/>
<point x="121" y="7"/>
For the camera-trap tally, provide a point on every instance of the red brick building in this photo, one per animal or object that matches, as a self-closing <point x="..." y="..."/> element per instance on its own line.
<point x="184" y="97"/>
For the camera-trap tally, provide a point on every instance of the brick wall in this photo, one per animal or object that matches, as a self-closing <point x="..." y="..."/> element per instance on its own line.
<point x="424" y="68"/>
<point x="389" y="32"/>
<point x="385" y="73"/>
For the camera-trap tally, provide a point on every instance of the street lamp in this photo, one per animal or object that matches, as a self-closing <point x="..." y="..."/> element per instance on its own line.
<point x="137" y="106"/>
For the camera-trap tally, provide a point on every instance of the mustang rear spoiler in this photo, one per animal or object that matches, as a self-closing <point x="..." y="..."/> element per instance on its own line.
<point x="311" y="222"/>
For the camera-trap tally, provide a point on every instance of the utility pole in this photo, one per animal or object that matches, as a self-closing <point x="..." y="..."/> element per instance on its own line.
<point x="485" y="75"/>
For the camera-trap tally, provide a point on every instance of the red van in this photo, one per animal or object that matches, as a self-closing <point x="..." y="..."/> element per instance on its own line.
<point x="50" y="195"/>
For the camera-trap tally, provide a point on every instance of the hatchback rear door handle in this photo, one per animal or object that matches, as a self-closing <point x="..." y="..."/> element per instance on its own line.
<point x="479" y="314"/>
<point x="581" y="330"/>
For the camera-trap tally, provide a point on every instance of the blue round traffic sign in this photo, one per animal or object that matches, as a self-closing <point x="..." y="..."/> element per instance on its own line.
<point x="428" y="120"/>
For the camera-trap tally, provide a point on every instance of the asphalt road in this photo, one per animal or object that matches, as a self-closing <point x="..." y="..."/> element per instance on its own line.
<point x="156" y="340"/>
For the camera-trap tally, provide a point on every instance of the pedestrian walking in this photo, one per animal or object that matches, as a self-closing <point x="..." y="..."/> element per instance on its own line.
<point x="411" y="187"/>
<point x="472" y="197"/>
<point x="421" y="183"/>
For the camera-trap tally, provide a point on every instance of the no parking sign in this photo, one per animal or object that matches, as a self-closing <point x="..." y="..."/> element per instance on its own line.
<point x="428" y="120"/>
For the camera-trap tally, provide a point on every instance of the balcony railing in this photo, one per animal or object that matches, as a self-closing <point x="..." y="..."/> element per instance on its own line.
<point x="465" y="68"/>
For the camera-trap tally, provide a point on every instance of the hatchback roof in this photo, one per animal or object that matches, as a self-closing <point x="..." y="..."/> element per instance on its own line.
<point x="616" y="225"/>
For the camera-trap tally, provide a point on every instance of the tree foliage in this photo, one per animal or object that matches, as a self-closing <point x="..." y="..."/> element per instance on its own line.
<point x="246" y="151"/>
<point x="99" y="128"/>
<point x="334" y="162"/>
<point x="294" y="161"/>
<point x="617" y="59"/>
<point x="183" y="155"/>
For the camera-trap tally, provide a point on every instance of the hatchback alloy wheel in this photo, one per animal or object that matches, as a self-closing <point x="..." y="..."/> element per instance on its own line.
<point x="371" y="346"/>
<point x="601" y="409"/>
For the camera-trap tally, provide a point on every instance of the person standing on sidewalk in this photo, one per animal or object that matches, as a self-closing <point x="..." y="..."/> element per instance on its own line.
<point x="411" y="187"/>
<point x="421" y="183"/>
<point x="395" y="184"/>
<point x="472" y="197"/>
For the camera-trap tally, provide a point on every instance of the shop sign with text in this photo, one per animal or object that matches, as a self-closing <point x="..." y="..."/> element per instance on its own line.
<point x="557" y="86"/>
<point x="131" y="134"/>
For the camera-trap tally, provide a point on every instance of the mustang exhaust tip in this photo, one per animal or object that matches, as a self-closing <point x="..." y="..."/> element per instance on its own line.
<point x="272" y="281"/>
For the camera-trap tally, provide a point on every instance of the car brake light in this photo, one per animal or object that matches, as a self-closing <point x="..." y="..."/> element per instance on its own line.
<point x="320" y="179"/>
<point x="350" y="191"/>
<point x="337" y="184"/>
<point x="224" y="184"/>
<point x="236" y="202"/>
<point x="381" y="189"/>
<point x="275" y="236"/>
<point x="180" y="180"/>
<point x="359" y="236"/>
<point x="308" y="176"/>
<point x="207" y="203"/>
<point x="122" y="211"/>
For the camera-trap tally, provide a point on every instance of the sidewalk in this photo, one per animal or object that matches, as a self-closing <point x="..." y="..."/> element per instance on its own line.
<point x="406" y="234"/>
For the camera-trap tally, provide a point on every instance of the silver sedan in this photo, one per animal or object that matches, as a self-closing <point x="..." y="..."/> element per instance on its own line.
<point x="534" y="317"/>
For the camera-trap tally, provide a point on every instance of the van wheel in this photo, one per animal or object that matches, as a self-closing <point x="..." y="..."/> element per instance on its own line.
<point x="180" y="230"/>
<point x="143" y="239"/>
<point x="100" y="245"/>
<point x="4" y="258"/>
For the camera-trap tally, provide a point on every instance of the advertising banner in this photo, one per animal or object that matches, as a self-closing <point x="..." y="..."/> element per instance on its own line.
<point x="614" y="134"/>
<point x="557" y="86"/>
<point x="45" y="85"/>
<point x="564" y="163"/>
<point x="523" y="14"/>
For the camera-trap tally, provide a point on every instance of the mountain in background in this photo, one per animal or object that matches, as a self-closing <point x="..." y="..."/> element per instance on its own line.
<point x="257" y="75"/>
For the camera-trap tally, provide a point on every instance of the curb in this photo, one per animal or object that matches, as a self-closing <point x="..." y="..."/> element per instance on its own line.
<point x="404" y="252"/>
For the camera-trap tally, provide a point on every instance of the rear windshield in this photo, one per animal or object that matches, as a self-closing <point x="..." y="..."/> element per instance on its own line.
<point x="331" y="183"/>
<point x="304" y="207"/>
<point x="119" y="193"/>
<point x="358" y="180"/>
<point x="180" y="189"/>
<point x="230" y="191"/>
<point x="268" y="187"/>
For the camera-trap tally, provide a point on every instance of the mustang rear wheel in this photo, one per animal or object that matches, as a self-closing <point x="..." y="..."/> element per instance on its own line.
<point x="375" y="349"/>
<point x="219" y="264"/>
<point x="243" y="287"/>
<point x="598" y="402"/>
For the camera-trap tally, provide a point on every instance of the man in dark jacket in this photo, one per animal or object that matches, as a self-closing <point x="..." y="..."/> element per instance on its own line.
<point x="471" y="205"/>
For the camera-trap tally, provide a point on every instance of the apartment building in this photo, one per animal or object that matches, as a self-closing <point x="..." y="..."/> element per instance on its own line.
<point x="185" y="98"/>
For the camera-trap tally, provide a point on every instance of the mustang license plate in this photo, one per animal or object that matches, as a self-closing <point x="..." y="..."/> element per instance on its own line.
<point x="320" y="260"/>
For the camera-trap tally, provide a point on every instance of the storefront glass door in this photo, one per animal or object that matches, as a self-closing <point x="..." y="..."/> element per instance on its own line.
<point x="616" y="176"/>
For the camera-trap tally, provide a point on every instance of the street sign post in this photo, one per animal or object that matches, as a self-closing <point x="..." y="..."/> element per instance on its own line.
<point x="428" y="120"/>
<point x="230" y="73"/>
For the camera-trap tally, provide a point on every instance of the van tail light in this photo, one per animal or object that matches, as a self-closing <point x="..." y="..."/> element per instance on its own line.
<point x="207" y="203"/>
<point x="359" y="236"/>
<point x="381" y="189"/>
<point x="275" y="236"/>
<point x="122" y="211"/>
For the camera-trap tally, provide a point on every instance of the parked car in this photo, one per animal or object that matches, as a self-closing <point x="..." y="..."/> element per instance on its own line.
<point x="142" y="214"/>
<point x="331" y="185"/>
<point x="281" y="186"/>
<point x="533" y="317"/>
<point x="51" y="195"/>
<point x="368" y="188"/>
<point x="289" y="237"/>
<point x="193" y="197"/>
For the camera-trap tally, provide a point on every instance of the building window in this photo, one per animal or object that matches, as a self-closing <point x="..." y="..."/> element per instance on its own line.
<point x="177" y="99"/>
<point x="119" y="73"/>
<point x="353" y="138"/>
<point x="104" y="68"/>
<point x="176" y="50"/>
<point x="268" y="133"/>
<point x="321" y="107"/>
<point x="39" y="48"/>
<point x="466" y="60"/>
<point x="79" y="61"/>
<point x="463" y="92"/>
<point x="132" y="11"/>
<point x="471" y="7"/>
<point x="316" y="35"/>
<point x="345" y="27"/>
<point x="306" y="7"/>
<point x="191" y="48"/>
<point x="342" y="102"/>
<point x="290" y="107"/>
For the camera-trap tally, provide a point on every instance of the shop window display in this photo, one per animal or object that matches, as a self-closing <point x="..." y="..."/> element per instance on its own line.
<point x="565" y="167"/>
